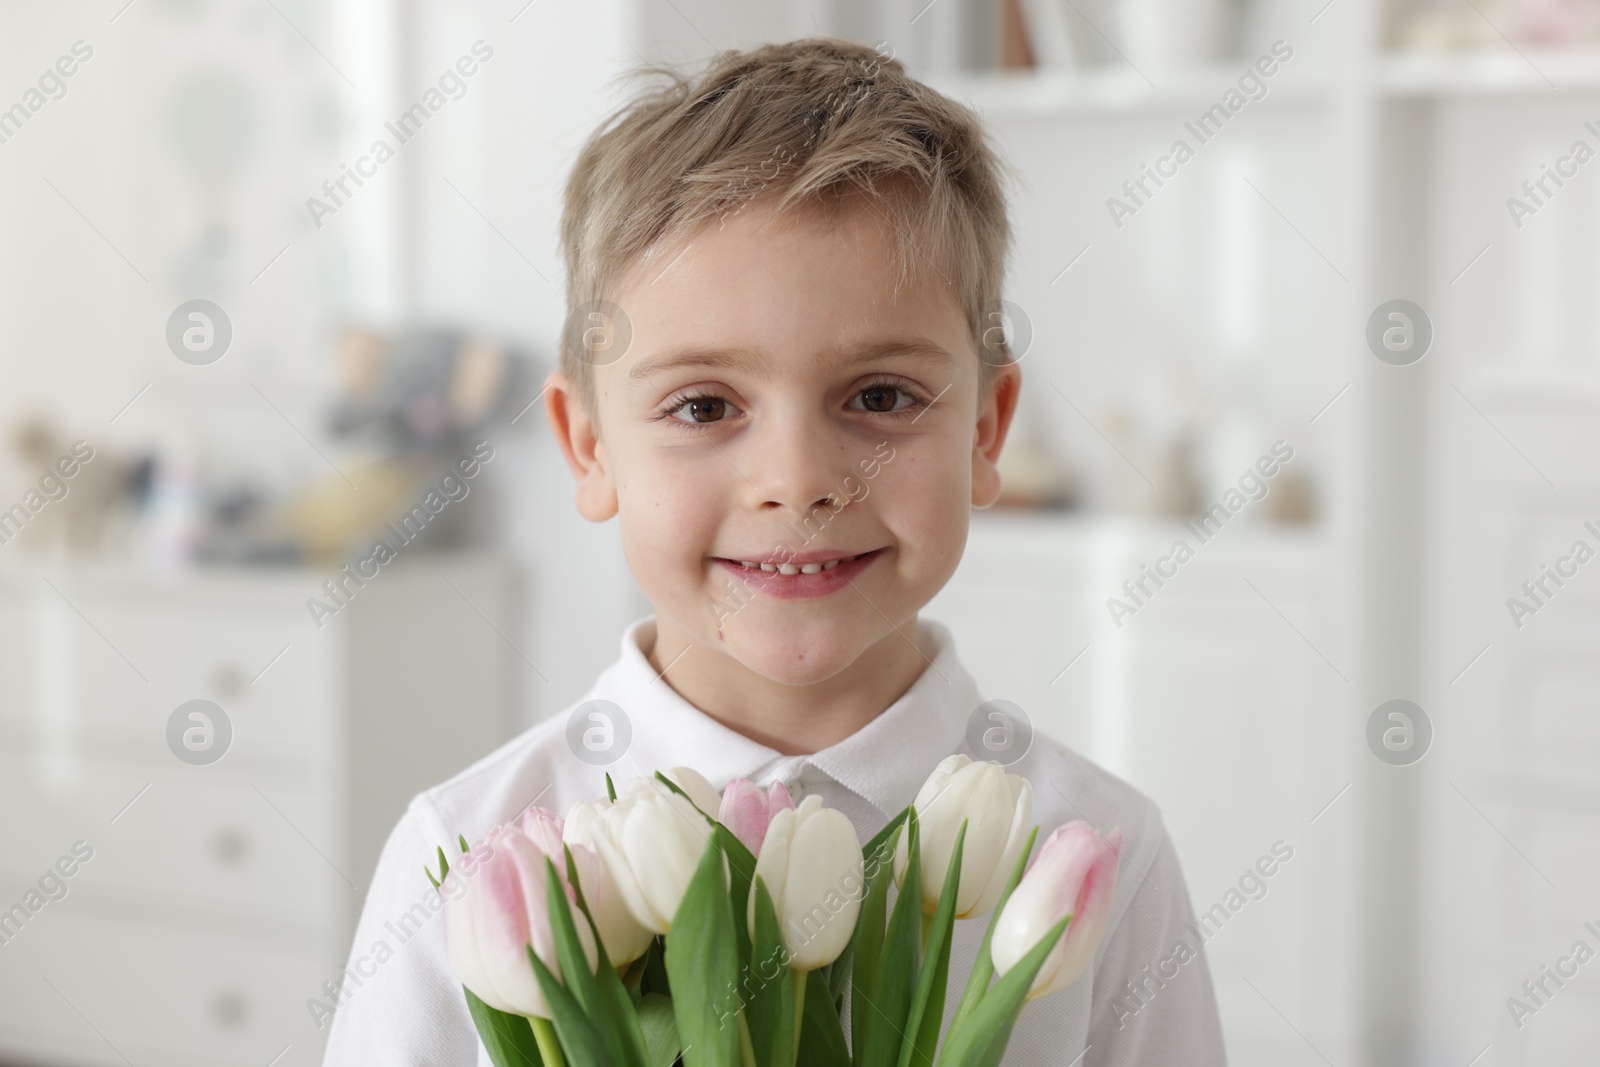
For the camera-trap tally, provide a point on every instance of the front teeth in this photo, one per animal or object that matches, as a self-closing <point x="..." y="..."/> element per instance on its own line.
<point x="791" y="568"/>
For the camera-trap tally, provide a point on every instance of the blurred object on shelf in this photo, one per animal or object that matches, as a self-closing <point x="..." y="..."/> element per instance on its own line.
<point x="1016" y="48"/>
<point x="1444" y="26"/>
<point x="1128" y="487"/>
<point x="1050" y="39"/>
<point x="1558" y="23"/>
<point x="1147" y="35"/>
<point x="1293" y="499"/>
<point x="79" y="494"/>
<point x="174" y="510"/>
<point x="417" y="400"/>
<point x="1177" y="477"/>
<point x="1034" y="475"/>
<point x="413" y="405"/>
<point x="327" y="521"/>
<point x="1166" y="35"/>
<point x="425" y="388"/>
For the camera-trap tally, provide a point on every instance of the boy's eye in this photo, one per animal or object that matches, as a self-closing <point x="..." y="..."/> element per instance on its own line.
<point x="884" y="398"/>
<point x="701" y="409"/>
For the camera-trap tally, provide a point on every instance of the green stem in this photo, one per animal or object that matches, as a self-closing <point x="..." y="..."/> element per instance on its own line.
<point x="800" y="981"/>
<point x="549" y="1047"/>
<point x="927" y="931"/>
<point x="747" y="1048"/>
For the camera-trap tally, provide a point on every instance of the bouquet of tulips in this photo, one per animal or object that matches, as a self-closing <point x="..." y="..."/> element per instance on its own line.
<point x="670" y="925"/>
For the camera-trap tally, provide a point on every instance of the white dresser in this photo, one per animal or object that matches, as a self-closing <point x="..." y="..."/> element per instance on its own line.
<point x="1222" y="699"/>
<point x="218" y="897"/>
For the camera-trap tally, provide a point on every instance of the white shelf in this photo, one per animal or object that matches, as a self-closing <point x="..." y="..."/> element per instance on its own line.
<point x="1114" y="90"/>
<point x="1120" y="90"/>
<point x="1545" y="392"/>
<point x="1499" y="72"/>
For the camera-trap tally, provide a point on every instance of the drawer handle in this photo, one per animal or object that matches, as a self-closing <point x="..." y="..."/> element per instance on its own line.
<point x="227" y="680"/>
<point x="230" y="1009"/>
<point x="230" y="846"/>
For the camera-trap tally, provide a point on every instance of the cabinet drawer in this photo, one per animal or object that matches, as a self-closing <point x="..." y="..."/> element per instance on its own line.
<point x="105" y="682"/>
<point x="190" y="841"/>
<point x="88" y="991"/>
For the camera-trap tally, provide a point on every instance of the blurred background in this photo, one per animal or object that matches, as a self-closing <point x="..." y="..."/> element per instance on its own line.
<point x="228" y="366"/>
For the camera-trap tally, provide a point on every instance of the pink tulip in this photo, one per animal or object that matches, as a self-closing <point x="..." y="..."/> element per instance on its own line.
<point x="1074" y="873"/>
<point x="747" y="811"/>
<point x="503" y="909"/>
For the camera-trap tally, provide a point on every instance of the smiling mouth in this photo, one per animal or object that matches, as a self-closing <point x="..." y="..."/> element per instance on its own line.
<point x="812" y="567"/>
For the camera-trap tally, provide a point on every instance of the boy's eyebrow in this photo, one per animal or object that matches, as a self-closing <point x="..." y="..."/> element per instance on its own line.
<point x="749" y="361"/>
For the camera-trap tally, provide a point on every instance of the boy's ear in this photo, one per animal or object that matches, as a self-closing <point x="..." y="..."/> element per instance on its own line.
<point x="995" y="409"/>
<point x="579" y="439"/>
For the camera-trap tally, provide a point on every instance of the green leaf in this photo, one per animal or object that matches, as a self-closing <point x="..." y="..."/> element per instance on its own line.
<point x="619" y="1010"/>
<point x="579" y="1041"/>
<point x="839" y="971"/>
<point x="980" y="1039"/>
<point x="575" y="973"/>
<point x="660" y="1031"/>
<point x="821" y="1035"/>
<point x="883" y="835"/>
<point x="770" y="1008"/>
<point x="742" y="868"/>
<point x="654" y="979"/>
<point x="462" y="838"/>
<point x="444" y="865"/>
<point x="927" y="1005"/>
<point x="866" y="943"/>
<point x="615" y="1012"/>
<point x="506" y="1036"/>
<point x="899" y="964"/>
<point x="703" y="966"/>
<point x="611" y="789"/>
<point x="983" y="966"/>
<point x="429" y="872"/>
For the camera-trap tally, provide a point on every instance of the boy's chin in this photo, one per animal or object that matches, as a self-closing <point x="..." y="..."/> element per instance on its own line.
<point x="798" y="652"/>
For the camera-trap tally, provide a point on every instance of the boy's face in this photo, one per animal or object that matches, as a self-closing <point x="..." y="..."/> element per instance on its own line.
<point x="779" y="401"/>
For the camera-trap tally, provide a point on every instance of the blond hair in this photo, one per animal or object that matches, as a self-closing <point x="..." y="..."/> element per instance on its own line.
<point x="812" y="121"/>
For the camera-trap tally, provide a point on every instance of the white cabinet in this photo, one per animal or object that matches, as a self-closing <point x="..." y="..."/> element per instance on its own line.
<point x="1223" y="700"/>
<point x="218" y="897"/>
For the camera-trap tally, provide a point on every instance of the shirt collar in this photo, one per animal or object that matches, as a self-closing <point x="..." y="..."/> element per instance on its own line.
<point x="885" y="762"/>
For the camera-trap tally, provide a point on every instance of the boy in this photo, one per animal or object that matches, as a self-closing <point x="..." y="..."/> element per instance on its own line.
<point x="781" y="378"/>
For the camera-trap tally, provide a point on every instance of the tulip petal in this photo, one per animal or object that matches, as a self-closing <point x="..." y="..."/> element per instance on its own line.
<point x="772" y="863"/>
<point x="699" y="790"/>
<point x="745" y="812"/>
<point x="778" y="798"/>
<point x="1090" y="910"/>
<point x="819" y="910"/>
<point x="977" y="793"/>
<point x="499" y="911"/>
<point x="1021" y="827"/>
<point x="1074" y="873"/>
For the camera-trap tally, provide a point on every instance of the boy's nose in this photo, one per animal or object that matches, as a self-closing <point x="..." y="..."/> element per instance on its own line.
<point x="798" y="467"/>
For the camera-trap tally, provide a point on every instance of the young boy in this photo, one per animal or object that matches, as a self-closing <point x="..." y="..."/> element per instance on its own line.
<point x="782" y="377"/>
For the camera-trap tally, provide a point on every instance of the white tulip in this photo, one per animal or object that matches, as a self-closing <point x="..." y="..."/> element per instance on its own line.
<point x="812" y="867"/>
<point x="998" y="809"/>
<point x="623" y="936"/>
<point x="701" y="791"/>
<point x="651" y="839"/>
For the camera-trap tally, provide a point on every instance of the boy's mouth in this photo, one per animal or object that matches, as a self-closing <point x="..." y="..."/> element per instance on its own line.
<point x="807" y="575"/>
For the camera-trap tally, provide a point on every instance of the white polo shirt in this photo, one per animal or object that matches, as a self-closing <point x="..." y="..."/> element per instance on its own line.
<point x="1142" y="1002"/>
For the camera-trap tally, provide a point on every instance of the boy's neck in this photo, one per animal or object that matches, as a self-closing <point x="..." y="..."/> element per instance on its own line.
<point x="793" y="719"/>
